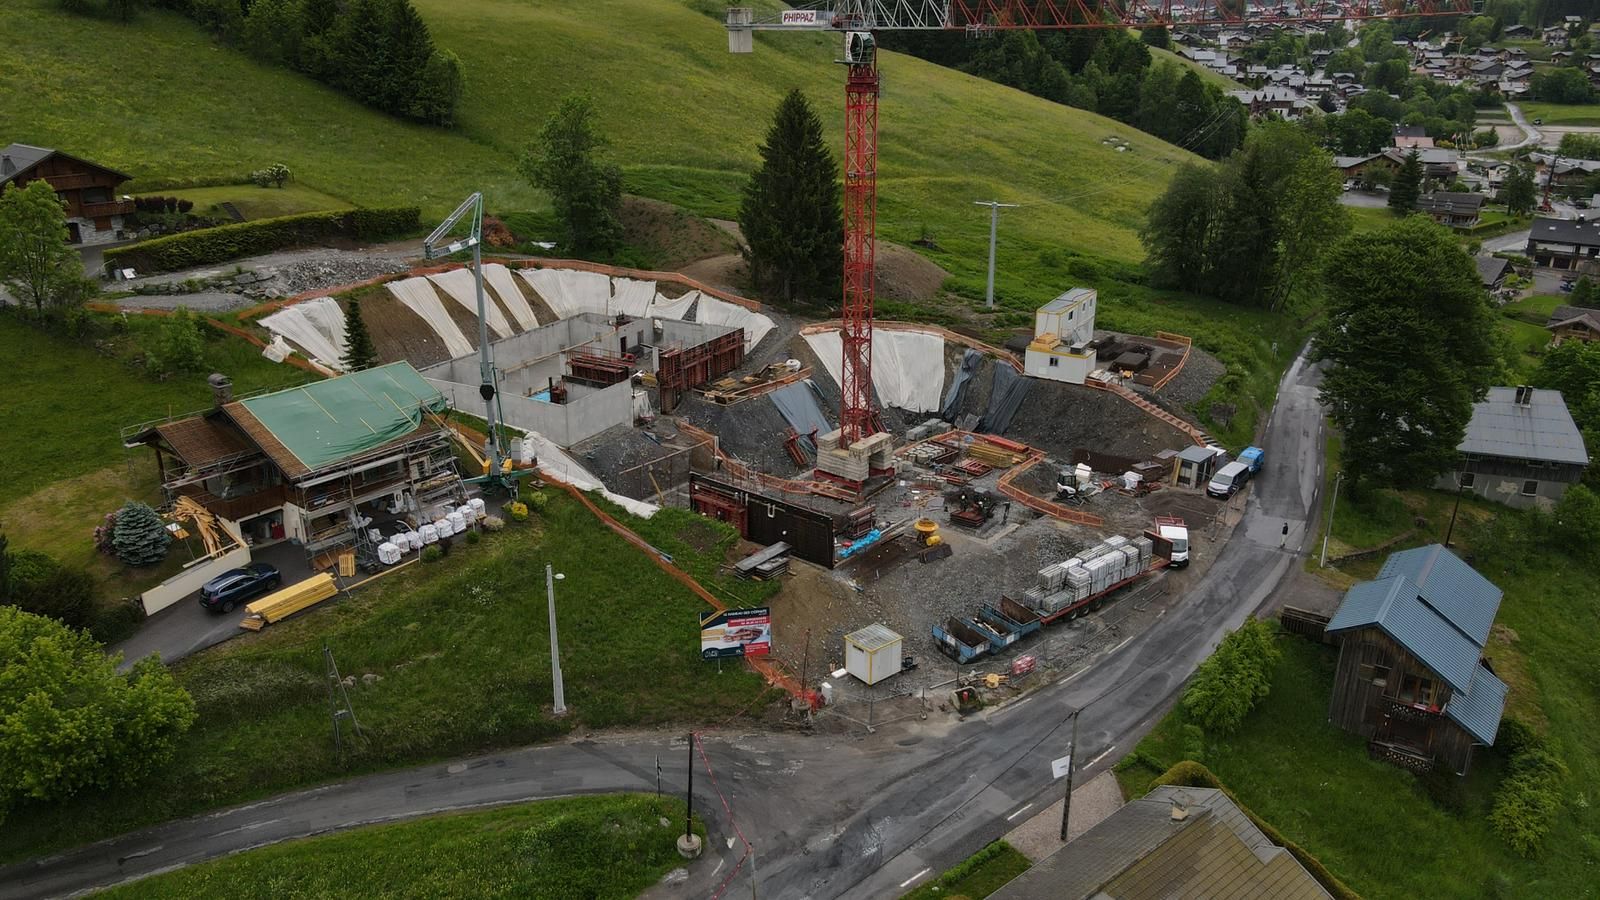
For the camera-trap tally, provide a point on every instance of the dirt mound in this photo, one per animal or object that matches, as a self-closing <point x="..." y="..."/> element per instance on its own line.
<point x="906" y="275"/>
<point x="670" y="236"/>
<point x="397" y="332"/>
<point x="726" y="272"/>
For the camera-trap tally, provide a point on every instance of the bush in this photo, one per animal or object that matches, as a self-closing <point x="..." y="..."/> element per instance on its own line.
<point x="518" y="511"/>
<point x="537" y="501"/>
<point x="1527" y="800"/>
<point x="432" y="553"/>
<point x="177" y="345"/>
<point x="1233" y="679"/>
<point x="185" y="206"/>
<point x="493" y="523"/>
<point x="1194" y="743"/>
<point x="103" y="532"/>
<point x="214" y="245"/>
<point x="473" y="537"/>
<point x="42" y="586"/>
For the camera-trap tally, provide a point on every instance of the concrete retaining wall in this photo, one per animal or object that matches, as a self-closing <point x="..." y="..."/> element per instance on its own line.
<point x="566" y="424"/>
<point x="189" y="580"/>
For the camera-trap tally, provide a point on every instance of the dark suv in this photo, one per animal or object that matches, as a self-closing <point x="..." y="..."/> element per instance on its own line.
<point x="235" y="586"/>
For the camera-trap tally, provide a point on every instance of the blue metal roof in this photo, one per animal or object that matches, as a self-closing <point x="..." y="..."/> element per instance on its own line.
<point x="1464" y="598"/>
<point x="1478" y="709"/>
<point x="1395" y="605"/>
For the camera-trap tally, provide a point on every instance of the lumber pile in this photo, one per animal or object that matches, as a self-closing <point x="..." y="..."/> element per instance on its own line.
<point x="288" y="601"/>
<point x="995" y="455"/>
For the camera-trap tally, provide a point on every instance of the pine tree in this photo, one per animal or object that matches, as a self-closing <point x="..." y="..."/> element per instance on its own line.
<point x="790" y="214"/>
<point x="1407" y="186"/>
<point x="140" y="538"/>
<point x="358" y="350"/>
<point x="409" y="48"/>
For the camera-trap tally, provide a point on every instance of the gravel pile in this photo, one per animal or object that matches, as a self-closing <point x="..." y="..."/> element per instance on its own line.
<point x="1058" y="417"/>
<point x="751" y="432"/>
<point x="328" y="271"/>
<point x="1193" y="381"/>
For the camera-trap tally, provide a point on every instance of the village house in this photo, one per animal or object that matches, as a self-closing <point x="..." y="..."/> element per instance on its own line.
<point x="1411" y="137"/>
<point x="1411" y="677"/>
<point x="1492" y="271"/>
<point x="1457" y="209"/>
<point x="94" y="213"/>
<point x="1564" y="243"/>
<point x="1573" y="323"/>
<point x="1521" y="449"/>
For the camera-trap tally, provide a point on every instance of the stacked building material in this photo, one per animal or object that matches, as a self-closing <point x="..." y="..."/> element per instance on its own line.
<point x="998" y="457"/>
<point x="1093" y="571"/>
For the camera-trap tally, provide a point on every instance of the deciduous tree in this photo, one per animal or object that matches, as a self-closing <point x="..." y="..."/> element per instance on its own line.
<point x="585" y="190"/>
<point x="36" y="263"/>
<point x="1408" y="342"/>
<point x="790" y="214"/>
<point x="70" y="722"/>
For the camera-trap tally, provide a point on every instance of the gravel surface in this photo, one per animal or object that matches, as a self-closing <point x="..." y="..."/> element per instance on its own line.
<point x="1058" y="417"/>
<point x="615" y="454"/>
<point x="271" y="276"/>
<point x="1193" y="381"/>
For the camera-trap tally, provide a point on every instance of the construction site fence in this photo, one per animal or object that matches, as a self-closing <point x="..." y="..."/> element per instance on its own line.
<point x="1188" y="345"/>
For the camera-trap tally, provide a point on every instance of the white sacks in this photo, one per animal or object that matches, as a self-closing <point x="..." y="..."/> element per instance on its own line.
<point x="388" y="553"/>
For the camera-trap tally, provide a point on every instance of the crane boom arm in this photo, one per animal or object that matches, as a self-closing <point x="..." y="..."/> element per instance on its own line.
<point x="984" y="15"/>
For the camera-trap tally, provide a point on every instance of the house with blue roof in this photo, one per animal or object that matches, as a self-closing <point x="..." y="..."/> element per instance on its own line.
<point x="1412" y="678"/>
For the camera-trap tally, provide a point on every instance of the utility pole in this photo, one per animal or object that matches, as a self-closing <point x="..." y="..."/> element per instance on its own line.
<point x="1461" y="487"/>
<point x="1333" y="508"/>
<point x="1072" y="767"/>
<point x="994" y="223"/>
<point x="550" y="577"/>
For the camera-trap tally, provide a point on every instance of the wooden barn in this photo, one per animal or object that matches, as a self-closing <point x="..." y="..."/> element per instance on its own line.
<point x="94" y="212"/>
<point x="1411" y="677"/>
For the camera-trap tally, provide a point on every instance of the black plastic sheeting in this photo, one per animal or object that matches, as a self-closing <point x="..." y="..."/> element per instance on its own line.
<point x="970" y="361"/>
<point x="1010" y="389"/>
<point x="800" y="405"/>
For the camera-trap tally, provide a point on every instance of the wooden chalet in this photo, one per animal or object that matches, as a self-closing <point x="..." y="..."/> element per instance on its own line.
<point x="94" y="212"/>
<point x="1411" y="677"/>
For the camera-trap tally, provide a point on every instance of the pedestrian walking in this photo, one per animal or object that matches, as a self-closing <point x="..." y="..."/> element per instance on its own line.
<point x="1284" y="541"/>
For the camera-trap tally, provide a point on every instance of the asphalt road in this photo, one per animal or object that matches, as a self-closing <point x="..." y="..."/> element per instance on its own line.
<point x="1531" y="134"/>
<point x="834" y="816"/>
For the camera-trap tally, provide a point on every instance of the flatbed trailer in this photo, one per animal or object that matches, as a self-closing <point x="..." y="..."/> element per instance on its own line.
<point x="1096" y="600"/>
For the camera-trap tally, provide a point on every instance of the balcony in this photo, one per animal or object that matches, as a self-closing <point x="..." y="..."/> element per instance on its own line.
<point x="1402" y="755"/>
<point x="240" y="506"/>
<point x="106" y="208"/>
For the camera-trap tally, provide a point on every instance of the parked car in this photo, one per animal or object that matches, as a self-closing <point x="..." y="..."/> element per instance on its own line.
<point x="1538" y="121"/>
<point x="1229" y="480"/>
<point x="224" y="592"/>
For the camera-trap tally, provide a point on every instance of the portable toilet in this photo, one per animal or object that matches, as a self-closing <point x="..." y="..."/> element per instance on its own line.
<point x="873" y="653"/>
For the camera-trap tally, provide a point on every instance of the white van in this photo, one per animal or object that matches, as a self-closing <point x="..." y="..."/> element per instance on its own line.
<point x="1229" y="480"/>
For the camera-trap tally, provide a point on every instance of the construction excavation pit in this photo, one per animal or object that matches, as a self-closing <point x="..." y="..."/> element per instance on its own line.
<point x="1011" y="511"/>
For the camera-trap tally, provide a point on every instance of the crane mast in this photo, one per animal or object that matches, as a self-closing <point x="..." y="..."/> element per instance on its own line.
<point x="857" y="20"/>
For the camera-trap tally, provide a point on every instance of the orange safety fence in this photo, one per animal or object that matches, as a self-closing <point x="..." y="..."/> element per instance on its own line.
<point x="293" y="359"/>
<point x="769" y="669"/>
<point x="783" y="485"/>
<point x="1188" y="345"/>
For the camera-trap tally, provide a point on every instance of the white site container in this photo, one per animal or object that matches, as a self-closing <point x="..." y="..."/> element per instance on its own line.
<point x="873" y="653"/>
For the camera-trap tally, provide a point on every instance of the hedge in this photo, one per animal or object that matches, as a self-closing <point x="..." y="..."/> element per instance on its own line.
<point x="214" y="245"/>
<point x="1192" y="774"/>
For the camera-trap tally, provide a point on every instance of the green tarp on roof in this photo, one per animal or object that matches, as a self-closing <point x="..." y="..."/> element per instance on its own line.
<point x="327" y="421"/>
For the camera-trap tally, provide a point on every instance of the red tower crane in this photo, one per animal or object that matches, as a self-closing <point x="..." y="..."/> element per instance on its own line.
<point x="858" y="20"/>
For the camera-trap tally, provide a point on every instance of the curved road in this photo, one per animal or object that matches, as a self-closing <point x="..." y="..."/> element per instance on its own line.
<point x="839" y="816"/>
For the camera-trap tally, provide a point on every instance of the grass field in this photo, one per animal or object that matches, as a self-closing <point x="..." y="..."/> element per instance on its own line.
<point x="980" y="875"/>
<point x="1206" y="75"/>
<point x="603" y="847"/>
<point x="1317" y="785"/>
<point x="76" y="396"/>
<point x="256" y="202"/>
<point x="462" y="649"/>
<point x="1562" y="113"/>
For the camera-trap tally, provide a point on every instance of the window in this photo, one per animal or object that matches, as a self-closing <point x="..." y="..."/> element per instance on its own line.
<point x="1378" y="675"/>
<point x="1530" y="487"/>
<point x="1416" y="689"/>
<point x="1467" y="479"/>
<point x="1054" y="361"/>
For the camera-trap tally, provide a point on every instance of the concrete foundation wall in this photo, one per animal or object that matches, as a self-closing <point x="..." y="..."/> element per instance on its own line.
<point x="189" y="580"/>
<point x="565" y="424"/>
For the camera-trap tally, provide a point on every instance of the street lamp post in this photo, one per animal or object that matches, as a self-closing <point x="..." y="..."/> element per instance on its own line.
<point x="551" y="576"/>
<point x="1333" y="508"/>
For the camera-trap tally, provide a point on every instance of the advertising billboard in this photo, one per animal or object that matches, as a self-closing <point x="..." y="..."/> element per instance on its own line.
<point x="799" y="17"/>
<point x="736" y="632"/>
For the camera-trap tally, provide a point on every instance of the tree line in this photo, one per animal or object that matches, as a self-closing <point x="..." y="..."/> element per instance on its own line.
<point x="1247" y="229"/>
<point x="1107" y="71"/>
<point x="378" y="52"/>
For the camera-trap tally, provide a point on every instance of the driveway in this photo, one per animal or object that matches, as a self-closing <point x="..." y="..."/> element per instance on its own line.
<point x="1514" y="242"/>
<point x="830" y="816"/>
<point x="185" y="627"/>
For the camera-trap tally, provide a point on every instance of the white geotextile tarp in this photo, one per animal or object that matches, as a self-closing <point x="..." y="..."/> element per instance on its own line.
<point x="632" y="297"/>
<point x="665" y="308"/>
<point x="907" y="366"/>
<point x="419" y="296"/>
<point x="462" y="288"/>
<point x="571" y="292"/>
<point x="499" y="278"/>
<point x="316" y="326"/>
<point x="556" y="464"/>
<point x="720" y="312"/>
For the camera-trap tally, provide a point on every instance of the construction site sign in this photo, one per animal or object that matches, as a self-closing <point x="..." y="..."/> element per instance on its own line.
<point x="736" y="632"/>
<point x="799" y="17"/>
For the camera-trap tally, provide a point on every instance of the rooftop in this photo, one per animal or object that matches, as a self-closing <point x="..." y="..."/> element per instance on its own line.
<point x="1174" y="842"/>
<point x="1540" y="429"/>
<point x="1565" y="231"/>
<point x="1450" y="201"/>
<point x="319" y="424"/>
<point x="17" y="159"/>
<point x="1068" y="300"/>
<point x="1565" y="315"/>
